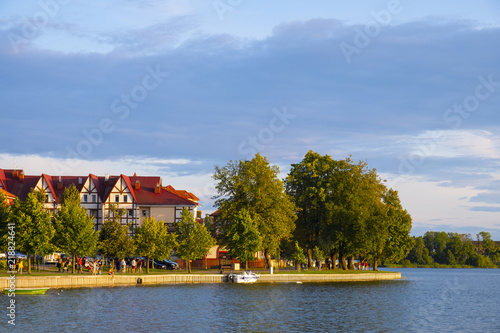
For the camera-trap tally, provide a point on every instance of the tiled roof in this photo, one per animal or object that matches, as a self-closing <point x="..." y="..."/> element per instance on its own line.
<point x="144" y="196"/>
<point x="9" y="196"/>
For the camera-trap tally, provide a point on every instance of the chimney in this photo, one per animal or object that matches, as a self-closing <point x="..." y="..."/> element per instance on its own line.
<point x="157" y="188"/>
<point x="15" y="173"/>
<point x="137" y="185"/>
<point x="80" y="180"/>
<point x="106" y="177"/>
<point x="60" y="184"/>
<point x="21" y="176"/>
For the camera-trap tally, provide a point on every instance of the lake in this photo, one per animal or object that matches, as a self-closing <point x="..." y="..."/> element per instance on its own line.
<point x="425" y="300"/>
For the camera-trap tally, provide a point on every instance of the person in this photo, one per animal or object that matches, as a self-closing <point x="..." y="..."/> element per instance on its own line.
<point x="366" y="265"/>
<point x="80" y="264"/>
<point x="123" y="265"/>
<point x="139" y="264"/>
<point x="59" y="264"/>
<point x="111" y="272"/>
<point x="65" y="265"/>
<point x="134" y="263"/>
<point x="20" y="266"/>
<point x="359" y="265"/>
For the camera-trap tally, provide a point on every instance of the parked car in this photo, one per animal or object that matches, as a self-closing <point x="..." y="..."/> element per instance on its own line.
<point x="154" y="263"/>
<point x="171" y="264"/>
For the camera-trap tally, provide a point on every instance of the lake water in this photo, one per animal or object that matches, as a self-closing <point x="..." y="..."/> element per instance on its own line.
<point x="425" y="300"/>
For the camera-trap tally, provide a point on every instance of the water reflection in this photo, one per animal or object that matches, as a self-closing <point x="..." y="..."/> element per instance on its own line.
<point x="427" y="300"/>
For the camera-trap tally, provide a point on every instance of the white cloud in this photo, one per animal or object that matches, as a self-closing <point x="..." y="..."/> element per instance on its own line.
<point x="439" y="203"/>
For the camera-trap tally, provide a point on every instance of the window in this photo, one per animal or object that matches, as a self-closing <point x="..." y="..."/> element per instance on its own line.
<point x="125" y="198"/>
<point x="131" y="212"/>
<point x="117" y="198"/>
<point x="46" y="197"/>
<point x="94" y="198"/>
<point x="85" y="198"/>
<point x="144" y="212"/>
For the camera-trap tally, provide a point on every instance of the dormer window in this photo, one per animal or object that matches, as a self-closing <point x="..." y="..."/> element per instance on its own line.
<point x="125" y="198"/>
<point x="85" y="198"/>
<point x="117" y="198"/>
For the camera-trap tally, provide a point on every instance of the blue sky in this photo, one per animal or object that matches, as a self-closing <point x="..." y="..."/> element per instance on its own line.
<point x="173" y="88"/>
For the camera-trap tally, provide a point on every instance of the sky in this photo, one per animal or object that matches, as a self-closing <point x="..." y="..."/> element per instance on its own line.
<point x="173" y="88"/>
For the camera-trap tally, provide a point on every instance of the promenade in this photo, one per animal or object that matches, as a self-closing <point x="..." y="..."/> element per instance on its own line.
<point x="78" y="280"/>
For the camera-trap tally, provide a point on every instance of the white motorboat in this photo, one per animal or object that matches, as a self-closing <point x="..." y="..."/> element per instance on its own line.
<point x="245" y="277"/>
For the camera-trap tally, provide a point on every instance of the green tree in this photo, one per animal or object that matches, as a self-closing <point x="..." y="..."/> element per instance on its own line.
<point x="435" y="241"/>
<point x="393" y="242"/>
<point x="74" y="229"/>
<point x="153" y="240"/>
<point x="4" y="220"/>
<point x="114" y="241"/>
<point x="419" y="254"/>
<point x="309" y="183"/>
<point x="193" y="239"/>
<point x="298" y="256"/>
<point x="486" y="244"/>
<point x="34" y="229"/>
<point x="243" y="238"/>
<point x="254" y="185"/>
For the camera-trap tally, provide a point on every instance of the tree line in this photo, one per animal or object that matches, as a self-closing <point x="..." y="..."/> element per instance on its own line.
<point x="437" y="248"/>
<point x="324" y="207"/>
<point x="29" y="228"/>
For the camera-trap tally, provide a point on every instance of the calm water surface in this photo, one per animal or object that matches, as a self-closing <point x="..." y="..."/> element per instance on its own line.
<point x="426" y="300"/>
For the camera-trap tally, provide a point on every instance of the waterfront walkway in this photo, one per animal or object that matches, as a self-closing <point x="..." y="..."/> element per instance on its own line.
<point x="77" y="280"/>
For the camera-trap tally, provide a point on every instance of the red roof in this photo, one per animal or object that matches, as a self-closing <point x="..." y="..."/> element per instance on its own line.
<point x="9" y="197"/>
<point x="144" y="196"/>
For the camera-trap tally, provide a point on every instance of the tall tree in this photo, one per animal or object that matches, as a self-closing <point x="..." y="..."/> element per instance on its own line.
<point x="114" y="241"/>
<point x="309" y="184"/>
<point x="388" y="235"/>
<point x="243" y="238"/>
<point x="153" y="240"/>
<point x="74" y="229"/>
<point x="34" y="230"/>
<point x="254" y="185"/>
<point x="193" y="239"/>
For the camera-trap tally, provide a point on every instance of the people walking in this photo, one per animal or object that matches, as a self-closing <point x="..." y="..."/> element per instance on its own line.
<point x="134" y="263"/>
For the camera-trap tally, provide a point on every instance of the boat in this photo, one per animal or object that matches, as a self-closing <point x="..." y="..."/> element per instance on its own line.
<point x="26" y="291"/>
<point x="245" y="277"/>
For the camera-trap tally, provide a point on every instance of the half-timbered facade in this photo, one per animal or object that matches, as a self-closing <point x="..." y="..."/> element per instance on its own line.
<point x="139" y="197"/>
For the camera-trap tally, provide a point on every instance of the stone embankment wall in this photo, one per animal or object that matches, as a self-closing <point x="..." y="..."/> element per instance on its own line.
<point x="75" y="281"/>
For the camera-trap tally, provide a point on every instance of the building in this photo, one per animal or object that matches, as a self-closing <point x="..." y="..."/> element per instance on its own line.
<point x="9" y="197"/>
<point x="140" y="196"/>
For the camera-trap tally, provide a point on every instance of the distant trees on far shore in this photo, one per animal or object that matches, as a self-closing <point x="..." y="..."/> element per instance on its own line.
<point x="436" y="248"/>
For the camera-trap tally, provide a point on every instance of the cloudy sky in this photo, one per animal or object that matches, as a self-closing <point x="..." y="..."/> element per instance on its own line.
<point x="172" y="88"/>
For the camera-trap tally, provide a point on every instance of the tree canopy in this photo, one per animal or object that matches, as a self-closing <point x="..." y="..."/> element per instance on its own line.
<point x="153" y="240"/>
<point x="114" y="241"/>
<point x="74" y="229"/>
<point x="193" y="239"/>
<point x="345" y="208"/>
<point x="243" y="237"/>
<point x="33" y="225"/>
<point x="254" y="186"/>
